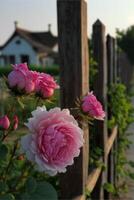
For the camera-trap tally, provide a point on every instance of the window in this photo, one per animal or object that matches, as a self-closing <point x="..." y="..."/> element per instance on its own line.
<point x="25" y="59"/>
<point x="12" y="59"/>
<point x="18" y="41"/>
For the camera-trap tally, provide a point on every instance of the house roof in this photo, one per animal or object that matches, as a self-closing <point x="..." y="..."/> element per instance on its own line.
<point x="40" y="41"/>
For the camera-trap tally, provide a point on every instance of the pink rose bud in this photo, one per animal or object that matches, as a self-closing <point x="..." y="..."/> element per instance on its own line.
<point x="15" y="122"/>
<point x="92" y="107"/>
<point x="54" y="140"/>
<point x="45" y="85"/>
<point x="4" y="122"/>
<point x="22" y="78"/>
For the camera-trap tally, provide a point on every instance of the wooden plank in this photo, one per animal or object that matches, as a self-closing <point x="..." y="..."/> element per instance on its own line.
<point x="93" y="178"/>
<point x="74" y="82"/>
<point x="100" y="89"/>
<point x="94" y="175"/>
<point x="116" y="80"/>
<point x="115" y="60"/>
<point x="110" y="66"/>
<point x="110" y="61"/>
<point x="81" y="197"/>
<point x="111" y="139"/>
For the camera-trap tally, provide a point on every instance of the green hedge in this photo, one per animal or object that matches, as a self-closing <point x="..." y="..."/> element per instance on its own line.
<point x="53" y="70"/>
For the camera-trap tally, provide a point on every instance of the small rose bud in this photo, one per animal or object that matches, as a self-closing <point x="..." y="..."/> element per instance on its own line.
<point x="4" y="122"/>
<point x="92" y="107"/>
<point x="15" y="122"/>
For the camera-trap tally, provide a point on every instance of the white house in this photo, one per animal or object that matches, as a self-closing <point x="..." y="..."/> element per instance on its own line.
<point x="38" y="48"/>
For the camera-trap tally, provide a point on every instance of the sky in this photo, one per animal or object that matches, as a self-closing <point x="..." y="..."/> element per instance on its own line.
<point x="37" y="14"/>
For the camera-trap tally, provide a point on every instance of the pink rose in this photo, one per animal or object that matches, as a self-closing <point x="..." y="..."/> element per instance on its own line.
<point x="22" y="79"/>
<point x="15" y="122"/>
<point x="32" y="77"/>
<point x="45" y="85"/>
<point x="92" y="106"/>
<point x="4" y="122"/>
<point x="54" y="139"/>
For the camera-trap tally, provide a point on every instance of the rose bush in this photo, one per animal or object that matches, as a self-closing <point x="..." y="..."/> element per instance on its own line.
<point x="53" y="140"/>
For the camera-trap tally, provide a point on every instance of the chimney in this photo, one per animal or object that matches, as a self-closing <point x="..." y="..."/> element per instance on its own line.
<point x="16" y="24"/>
<point x="49" y="27"/>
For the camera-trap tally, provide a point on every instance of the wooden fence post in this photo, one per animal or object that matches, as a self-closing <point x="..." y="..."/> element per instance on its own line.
<point x="100" y="90"/>
<point x="74" y="82"/>
<point x="110" y="60"/>
<point x="110" y="67"/>
<point x="115" y="146"/>
<point x="115" y="60"/>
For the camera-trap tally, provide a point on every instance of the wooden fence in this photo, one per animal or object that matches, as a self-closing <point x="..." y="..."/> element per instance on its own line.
<point x="74" y="81"/>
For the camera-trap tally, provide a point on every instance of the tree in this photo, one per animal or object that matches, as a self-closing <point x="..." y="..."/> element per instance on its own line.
<point x="125" y="40"/>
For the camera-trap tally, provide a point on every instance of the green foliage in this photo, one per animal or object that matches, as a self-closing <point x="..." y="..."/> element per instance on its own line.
<point x="7" y="197"/>
<point x="125" y="41"/>
<point x="120" y="107"/>
<point x="3" y="151"/>
<point x="39" y="191"/>
<point x="92" y="67"/>
<point x="109" y="188"/>
<point x="122" y="111"/>
<point x="18" y="178"/>
<point x="53" y="70"/>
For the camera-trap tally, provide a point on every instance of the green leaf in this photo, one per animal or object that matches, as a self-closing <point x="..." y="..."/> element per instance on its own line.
<point x="7" y="197"/>
<point x="21" y="103"/>
<point x="131" y="163"/>
<point x="131" y="175"/>
<point x="25" y="196"/>
<point x="3" y="186"/>
<point x="109" y="188"/>
<point x="44" y="191"/>
<point x="1" y="133"/>
<point x="3" y="151"/>
<point x="31" y="185"/>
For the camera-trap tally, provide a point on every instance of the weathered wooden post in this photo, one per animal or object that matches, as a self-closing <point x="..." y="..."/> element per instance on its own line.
<point x="115" y="79"/>
<point x="100" y="89"/>
<point x="110" y="60"/>
<point x="74" y="82"/>
<point x="110" y="70"/>
<point x="115" y="60"/>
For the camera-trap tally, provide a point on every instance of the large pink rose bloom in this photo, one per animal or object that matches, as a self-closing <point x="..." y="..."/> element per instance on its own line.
<point x="22" y="78"/>
<point x="54" y="140"/>
<point x="46" y="85"/>
<point x="93" y="107"/>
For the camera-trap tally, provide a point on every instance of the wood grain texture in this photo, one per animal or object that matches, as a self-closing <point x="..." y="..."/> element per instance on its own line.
<point x="100" y="90"/>
<point x="74" y="82"/>
<point x="111" y="139"/>
<point x="93" y="177"/>
<point x="110" y="67"/>
<point x="110" y="60"/>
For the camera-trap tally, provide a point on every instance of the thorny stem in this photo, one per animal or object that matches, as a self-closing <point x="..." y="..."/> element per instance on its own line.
<point x="37" y="102"/>
<point x="4" y="135"/>
<point x="11" y="158"/>
<point x="27" y="167"/>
